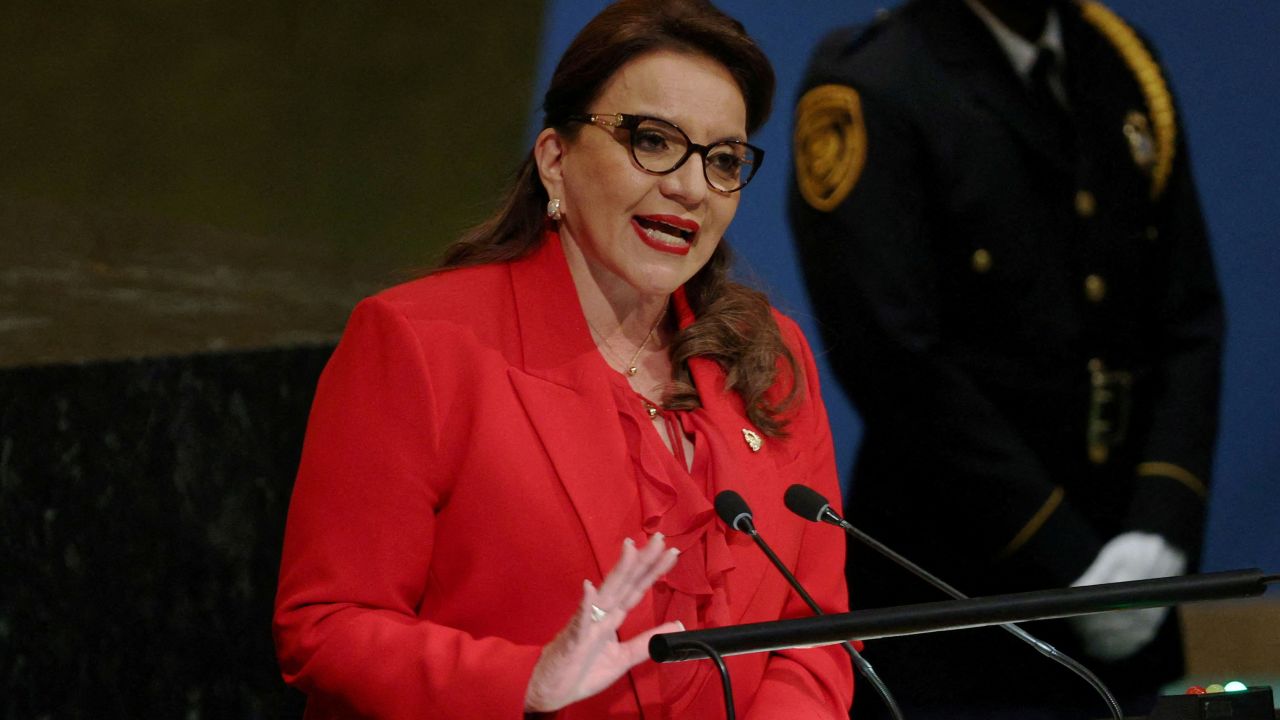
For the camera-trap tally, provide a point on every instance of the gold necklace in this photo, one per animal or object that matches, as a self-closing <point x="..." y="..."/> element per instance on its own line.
<point x="631" y="366"/>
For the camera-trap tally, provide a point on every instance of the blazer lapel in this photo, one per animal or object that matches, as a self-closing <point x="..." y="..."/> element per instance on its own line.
<point x="749" y="473"/>
<point x="561" y="387"/>
<point x="976" y="62"/>
<point x="567" y="397"/>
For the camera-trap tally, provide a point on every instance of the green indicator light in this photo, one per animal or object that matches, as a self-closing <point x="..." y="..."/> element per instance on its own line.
<point x="1235" y="686"/>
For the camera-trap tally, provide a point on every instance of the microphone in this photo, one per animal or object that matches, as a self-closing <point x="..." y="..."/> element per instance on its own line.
<point x="734" y="511"/>
<point x="811" y="505"/>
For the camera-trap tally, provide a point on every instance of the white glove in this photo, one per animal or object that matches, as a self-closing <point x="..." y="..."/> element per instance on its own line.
<point x="1116" y="635"/>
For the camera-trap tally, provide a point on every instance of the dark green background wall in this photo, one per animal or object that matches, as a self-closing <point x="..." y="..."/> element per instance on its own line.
<point x="186" y="175"/>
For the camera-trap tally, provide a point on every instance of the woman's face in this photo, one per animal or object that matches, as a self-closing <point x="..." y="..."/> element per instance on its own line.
<point x="650" y="232"/>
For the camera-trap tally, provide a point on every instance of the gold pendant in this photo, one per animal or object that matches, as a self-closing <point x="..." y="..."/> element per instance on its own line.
<point x="633" y="370"/>
<point x="754" y="441"/>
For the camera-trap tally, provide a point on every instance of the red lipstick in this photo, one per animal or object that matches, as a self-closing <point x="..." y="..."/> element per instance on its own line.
<point x="667" y="229"/>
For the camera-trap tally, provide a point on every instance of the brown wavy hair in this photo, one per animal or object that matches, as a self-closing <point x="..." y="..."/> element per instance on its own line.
<point x="734" y="325"/>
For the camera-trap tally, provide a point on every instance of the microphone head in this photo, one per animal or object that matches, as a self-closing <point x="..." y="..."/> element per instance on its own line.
<point x="806" y="502"/>
<point x="732" y="509"/>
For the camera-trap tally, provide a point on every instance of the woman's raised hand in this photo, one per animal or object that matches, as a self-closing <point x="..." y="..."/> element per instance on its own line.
<point x="586" y="656"/>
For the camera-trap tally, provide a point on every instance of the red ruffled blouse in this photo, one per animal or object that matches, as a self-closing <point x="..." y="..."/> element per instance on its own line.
<point x="675" y="499"/>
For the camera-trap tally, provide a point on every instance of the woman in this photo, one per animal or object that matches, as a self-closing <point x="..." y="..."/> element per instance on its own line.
<point x="490" y="446"/>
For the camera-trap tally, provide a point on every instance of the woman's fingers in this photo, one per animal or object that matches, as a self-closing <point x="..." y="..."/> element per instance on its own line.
<point x="635" y="572"/>
<point x="586" y="656"/>
<point x="606" y="608"/>
<point x="623" y="571"/>
<point x="637" y="648"/>
<point x="627" y="583"/>
<point x="596" y="614"/>
<point x="661" y="566"/>
<point x="659" y="562"/>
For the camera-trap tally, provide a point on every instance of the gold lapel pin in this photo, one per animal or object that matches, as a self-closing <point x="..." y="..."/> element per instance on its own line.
<point x="754" y="441"/>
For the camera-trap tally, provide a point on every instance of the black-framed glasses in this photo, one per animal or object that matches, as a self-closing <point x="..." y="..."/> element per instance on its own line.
<point x="660" y="147"/>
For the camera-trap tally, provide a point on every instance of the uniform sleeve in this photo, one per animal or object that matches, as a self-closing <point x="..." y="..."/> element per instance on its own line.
<point x="869" y="267"/>
<point x="818" y="682"/>
<point x="1173" y="478"/>
<point x="359" y="542"/>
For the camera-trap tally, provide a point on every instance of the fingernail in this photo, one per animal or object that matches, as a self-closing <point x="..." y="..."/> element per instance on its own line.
<point x="659" y="536"/>
<point x="628" y="542"/>
<point x="681" y="625"/>
<point x="588" y="585"/>
<point x="674" y="552"/>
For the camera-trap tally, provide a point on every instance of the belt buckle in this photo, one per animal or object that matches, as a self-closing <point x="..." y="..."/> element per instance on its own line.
<point x="1110" y="401"/>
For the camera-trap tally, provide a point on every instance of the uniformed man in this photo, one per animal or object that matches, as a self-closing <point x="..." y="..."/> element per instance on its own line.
<point x="1000" y="233"/>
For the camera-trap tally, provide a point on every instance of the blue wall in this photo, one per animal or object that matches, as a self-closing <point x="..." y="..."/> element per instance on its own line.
<point x="1221" y="60"/>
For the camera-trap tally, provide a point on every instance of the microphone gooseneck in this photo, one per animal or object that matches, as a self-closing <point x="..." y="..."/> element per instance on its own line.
<point x="811" y="505"/>
<point x="733" y="509"/>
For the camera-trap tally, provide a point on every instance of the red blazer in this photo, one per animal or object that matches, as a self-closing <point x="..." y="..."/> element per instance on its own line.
<point x="456" y="488"/>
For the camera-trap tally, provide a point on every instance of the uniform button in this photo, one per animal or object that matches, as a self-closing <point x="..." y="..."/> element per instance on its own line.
<point x="1086" y="205"/>
<point x="1152" y="233"/>
<point x="981" y="260"/>
<point x="1095" y="288"/>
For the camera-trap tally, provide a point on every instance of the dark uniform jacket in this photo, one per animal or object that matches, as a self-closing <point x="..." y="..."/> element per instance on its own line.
<point x="1027" y="319"/>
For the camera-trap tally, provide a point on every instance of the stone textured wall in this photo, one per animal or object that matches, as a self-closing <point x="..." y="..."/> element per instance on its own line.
<point x="142" y="507"/>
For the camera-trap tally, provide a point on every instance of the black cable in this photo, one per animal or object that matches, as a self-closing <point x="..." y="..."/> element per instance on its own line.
<point x="870" y="675"/>
<point x="729" y="712"/>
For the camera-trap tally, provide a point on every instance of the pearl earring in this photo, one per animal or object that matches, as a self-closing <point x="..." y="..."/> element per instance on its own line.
<point x="553" y="208"/>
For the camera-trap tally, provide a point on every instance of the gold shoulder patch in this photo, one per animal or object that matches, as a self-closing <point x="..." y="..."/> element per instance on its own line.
<point x="1154" y="89"/>
<point x="830" y="145"/>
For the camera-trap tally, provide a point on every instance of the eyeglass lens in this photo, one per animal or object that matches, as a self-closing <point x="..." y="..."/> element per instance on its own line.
<point x="660" y="147"/>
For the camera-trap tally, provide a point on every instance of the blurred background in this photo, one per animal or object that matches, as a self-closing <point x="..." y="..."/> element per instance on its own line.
<point x="193" y="195"/>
